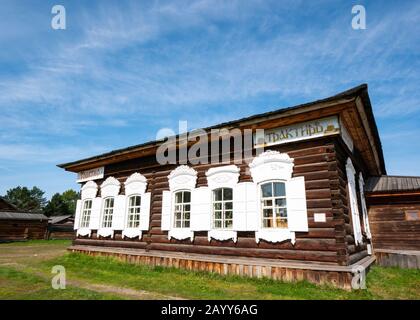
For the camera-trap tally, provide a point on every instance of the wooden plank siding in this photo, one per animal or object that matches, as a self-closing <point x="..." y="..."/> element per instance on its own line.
<point x="322" y="163"/>
<point x="16" y="230"/>
<point x="390" y="228"/>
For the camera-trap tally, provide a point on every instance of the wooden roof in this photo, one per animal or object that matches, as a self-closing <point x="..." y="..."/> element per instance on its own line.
<point x="7" y="215"/>
<point x="356" y="101"/>
<point x="393" y="184"/>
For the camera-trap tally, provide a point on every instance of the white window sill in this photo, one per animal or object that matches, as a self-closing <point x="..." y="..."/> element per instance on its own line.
<point x="132" y="233"/>
<point x="181" y="234"/>
<point x="83" y="232"/>
<point x="222" y="235"/>
<point x="275" y="235"/>
<point x="105" y="232"/>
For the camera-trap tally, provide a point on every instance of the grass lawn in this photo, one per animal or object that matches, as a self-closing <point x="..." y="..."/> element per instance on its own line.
<point x="25" y="273"/>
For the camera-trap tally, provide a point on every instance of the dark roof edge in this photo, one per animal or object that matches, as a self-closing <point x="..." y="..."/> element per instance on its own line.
<point x="351" y="93"/>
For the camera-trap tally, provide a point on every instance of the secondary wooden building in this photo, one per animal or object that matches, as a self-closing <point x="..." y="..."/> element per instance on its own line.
<point x="18" y="226"/>
<point x="292" y="207"/>
<point x="60" y="227"/>
<point x="394" y="214"/>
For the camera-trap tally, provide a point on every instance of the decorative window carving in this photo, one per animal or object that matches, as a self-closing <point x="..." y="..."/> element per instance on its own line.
<point x="134" y="208"/>
<point x="182" y="209"/>
<point x="281" y="199"/>
<point x="273" y="205"/>
<point x="354" y="207"/>
<point x="177" y="203"/>
<point x="87" y="209"/>
<point x="89" y="190"/>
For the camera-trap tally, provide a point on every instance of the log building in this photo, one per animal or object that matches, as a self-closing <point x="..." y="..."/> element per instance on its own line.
<point x="293" y="208"/>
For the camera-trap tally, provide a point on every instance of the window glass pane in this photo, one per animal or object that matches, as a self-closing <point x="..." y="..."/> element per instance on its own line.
<point x="187" y="197"/>
<point x="267" y="190"/>
<point x="217" y="194"/>
<point x="281" y="223"/>
<point x="178" y="224"/>
<point x="218" y="214"/>
<point x="228" y="205"/>
<point x="186" y="223"/>
<point x="228" y="224"/>
<point x="187" y="207"/>
<point x="178" y="197"/>
<point x="281" y="202"/>
<point x="267" y="213"/>
<point x="268" y="203"/>
<point x="281" y="212"/>
<point x="228" y="215"/>
<point x="279" y="189"/>
<point x="227" y="194"/>
<point x="217" y="206"/>
<point x="217" y="223"/>
<point x="186" y="216"/>
<point x="268" y="223"/>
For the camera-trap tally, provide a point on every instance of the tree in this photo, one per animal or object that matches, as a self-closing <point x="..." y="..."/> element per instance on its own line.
<point x="62" y="204"/>
<point x="26" y="199"/>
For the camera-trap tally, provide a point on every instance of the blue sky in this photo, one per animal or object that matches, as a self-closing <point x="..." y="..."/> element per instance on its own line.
<point x="122" y="70"/>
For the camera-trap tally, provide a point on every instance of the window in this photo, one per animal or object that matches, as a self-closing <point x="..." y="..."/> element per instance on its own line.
<point x="222" y="208"/>
<point x="87" y="209"/>
<point x="107" y="213"/>
<point x="133" y="218"/>
<point x="273" y="204"/>
<point x="182" y="209"/>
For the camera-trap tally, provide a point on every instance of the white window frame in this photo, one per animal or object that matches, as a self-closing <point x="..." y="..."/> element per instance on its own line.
<point x="271" y="166"/>
<point x="105" y="213"/>
<point x="83" y="219"/>
<point x="129" y="207"/>
<point x="135" y="185"/>
<point x="182" y="178"/>
<point x="272" y="198"/>
<point x="183" y="204"/>
<point x="222" y="210"/>
<point x="354" y="206"/>
<point x="219" y="178"/>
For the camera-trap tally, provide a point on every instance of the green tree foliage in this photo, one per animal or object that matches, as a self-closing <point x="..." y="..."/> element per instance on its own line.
<point x="26" y="199"/>
<point x="62" y="204"/>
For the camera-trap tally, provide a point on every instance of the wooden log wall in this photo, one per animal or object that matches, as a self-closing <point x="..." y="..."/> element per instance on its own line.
<point x="320" y="161"/>
<point x="391" y="229"/>
<point x="16" y="230"/>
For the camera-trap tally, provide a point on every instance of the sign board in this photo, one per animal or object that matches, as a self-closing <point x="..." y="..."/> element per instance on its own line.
<point x="296" y="132"/>
<point x="91" y="174"/>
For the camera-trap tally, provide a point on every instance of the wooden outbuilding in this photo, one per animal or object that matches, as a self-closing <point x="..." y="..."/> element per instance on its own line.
<point x="288" y="205"/>
<point x="61" y="227"/>
<point x="394" y="214"/>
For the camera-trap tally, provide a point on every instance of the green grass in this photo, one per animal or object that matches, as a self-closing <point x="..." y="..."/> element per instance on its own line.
<point x="389" y="283"/>
<point x="25" y="286"/>
<point x="25" y="273"/>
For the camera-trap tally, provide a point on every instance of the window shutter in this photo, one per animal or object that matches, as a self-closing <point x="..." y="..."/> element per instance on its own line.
<point x="118" y="215"/>
<point x="77" y="214"/>
<point x="166" y="211"/>
<point x="95" y="214"/>
<point x="145" y="211"/>
<point x="239" y="207"/>
<point x="296" y="204"/>
<point x="201" y="209"/>
<point x="253" y="216"/>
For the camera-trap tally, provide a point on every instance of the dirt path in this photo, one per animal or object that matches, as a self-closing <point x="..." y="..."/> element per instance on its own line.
<point x="24" y="258"/>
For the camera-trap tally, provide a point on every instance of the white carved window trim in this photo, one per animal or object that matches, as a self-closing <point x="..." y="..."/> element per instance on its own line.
<point x="273" y="206"/>
<point x="354" y="207"/>
<point x="129" y="207"/>
<point x="182" y="178"/>
<point x="135" y="185"/>
<point x="84" y="228"/>
<point x="271" y="166"/>
<point x="110" y="189"/>
<point x="89" y="190"/>
<point x="364" y="206"/>
<point x="221" y="178"/>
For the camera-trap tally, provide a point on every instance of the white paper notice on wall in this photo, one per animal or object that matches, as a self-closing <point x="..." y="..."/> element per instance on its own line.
<point x="320" y="217"/>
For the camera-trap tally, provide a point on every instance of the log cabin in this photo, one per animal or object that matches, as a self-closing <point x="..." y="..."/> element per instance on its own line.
<point x="16" y="225"/>
<point x="289" y="205"/>
<point x="394" y="215"/>
<point x="60" y="227"/>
